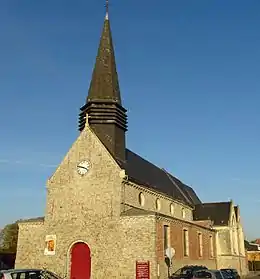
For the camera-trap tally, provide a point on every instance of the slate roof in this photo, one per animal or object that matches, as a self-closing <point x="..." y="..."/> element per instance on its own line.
<point x="218" y="212"/>
<point x="251" y="246"/>
<point x="143" y="172"/>
<point x="104" y="82"/>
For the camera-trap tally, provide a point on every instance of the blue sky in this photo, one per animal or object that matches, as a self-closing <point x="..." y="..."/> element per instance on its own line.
<point x="189" y="77"/>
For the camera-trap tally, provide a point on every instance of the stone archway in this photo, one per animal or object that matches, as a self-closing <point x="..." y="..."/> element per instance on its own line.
<point x="80" y="261"/>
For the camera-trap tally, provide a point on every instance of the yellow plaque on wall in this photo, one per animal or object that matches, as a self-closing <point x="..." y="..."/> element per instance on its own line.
<point x="50" y="245"/>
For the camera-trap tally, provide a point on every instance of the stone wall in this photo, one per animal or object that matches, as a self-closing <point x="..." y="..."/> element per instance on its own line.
<point x="79" y="208"/>
<point x="224" y="241"/>
<point x="137" y="243"/>
<point x="30" y="246"/>
<point x="73" y="196"/>
<point x="230" y="244"/>
<point x="176" y="228"/>
<point x="168" y="206"/>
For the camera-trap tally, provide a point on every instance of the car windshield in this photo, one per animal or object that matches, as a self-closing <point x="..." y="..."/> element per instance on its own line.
<point x="234" y="271"/>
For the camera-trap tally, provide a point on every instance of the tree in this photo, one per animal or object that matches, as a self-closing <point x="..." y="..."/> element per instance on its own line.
<point x="8" y="238"/>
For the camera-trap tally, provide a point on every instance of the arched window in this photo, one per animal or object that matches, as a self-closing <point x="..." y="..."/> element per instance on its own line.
<point x="172" y="208"/>
<point x="158" y="204"/>
<point x="183" y="213"/>
<point x="141" y="199"/>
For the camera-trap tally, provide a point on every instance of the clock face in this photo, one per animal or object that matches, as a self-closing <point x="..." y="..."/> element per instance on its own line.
<point x="83" y="167"/>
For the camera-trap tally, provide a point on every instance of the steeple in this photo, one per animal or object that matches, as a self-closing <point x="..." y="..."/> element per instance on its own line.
<point x="103" y="109"/>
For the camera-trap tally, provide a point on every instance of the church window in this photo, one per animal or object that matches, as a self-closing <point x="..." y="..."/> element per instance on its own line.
<point x="158" y="204"/>
<point x="141" y="199"/>
<point x="200" y="242"/>
<point x="186" y="242"/>
<point x="166" y="237"/>
<point x="183" y="213"/>
<point x="211" y="246"/>
<point x="171" y="208"/>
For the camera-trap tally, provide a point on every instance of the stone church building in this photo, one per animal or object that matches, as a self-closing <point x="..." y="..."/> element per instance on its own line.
<point x="112" y="214"/>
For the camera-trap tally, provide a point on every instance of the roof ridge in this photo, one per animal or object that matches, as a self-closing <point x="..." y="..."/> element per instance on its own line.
<point x="173" y="182"/>
<point x="221" y="202"/>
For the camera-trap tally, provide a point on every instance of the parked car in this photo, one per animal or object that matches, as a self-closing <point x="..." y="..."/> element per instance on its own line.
<point x="27" y="274"/>
<point x="209" y="274"/>
<point x="187" y="272"/>
<point x="230" y="273"/>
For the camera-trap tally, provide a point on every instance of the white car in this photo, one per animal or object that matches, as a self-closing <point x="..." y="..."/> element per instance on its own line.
<point x="27" y="274"/>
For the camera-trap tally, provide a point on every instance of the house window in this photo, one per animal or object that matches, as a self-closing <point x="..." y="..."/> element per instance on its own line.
<point x="166" y="243"/>
<point x="158" y="204"/>
<point x="200" y="242"/>
<point x="211" y="246"/>
<point x="186" y="243"/>
<point x="141" y="199"/>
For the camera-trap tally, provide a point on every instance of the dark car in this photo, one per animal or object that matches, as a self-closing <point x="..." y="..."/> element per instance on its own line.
<point x="187" y="272"/>
<point x="230" y="273"/>
<point x="28" y="274"/>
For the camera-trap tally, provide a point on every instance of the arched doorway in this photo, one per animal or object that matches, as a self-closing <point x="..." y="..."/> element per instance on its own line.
<point x="80" y="267"/>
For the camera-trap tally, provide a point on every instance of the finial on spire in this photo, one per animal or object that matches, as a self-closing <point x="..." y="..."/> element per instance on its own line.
<point x="106" y="10"/>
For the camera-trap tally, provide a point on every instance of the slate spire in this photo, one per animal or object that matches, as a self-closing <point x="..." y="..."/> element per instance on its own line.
<point x="103" y="108"/>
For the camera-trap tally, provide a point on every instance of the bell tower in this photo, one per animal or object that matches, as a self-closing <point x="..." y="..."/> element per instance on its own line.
<point x="103" y="110"/>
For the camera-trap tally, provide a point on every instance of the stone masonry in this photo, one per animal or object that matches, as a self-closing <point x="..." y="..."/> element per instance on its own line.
<point x="79" y="209"/>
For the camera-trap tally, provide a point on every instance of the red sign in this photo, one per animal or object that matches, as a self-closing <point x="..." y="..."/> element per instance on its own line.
<point x="143" y="270"/>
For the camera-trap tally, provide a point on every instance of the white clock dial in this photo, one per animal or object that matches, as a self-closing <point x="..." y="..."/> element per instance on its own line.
<point x="83" y="167"/>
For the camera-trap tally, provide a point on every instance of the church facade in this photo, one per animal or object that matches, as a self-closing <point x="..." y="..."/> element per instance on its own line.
<point x="112" y="214"/>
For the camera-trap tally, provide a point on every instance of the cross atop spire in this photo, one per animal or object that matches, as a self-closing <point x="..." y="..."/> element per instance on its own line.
<point x="107" y="5"/>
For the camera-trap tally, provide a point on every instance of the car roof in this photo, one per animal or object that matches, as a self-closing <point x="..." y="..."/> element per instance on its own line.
<point x="19" y="270"/>
<point x="194" y="266"/>
<point x="206" y="270"/>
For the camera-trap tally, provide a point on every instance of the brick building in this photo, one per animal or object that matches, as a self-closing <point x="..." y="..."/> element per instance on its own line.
<point x="109" y="211"/>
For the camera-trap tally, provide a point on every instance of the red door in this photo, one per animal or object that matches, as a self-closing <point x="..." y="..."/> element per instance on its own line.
<point x="80" y="261"/>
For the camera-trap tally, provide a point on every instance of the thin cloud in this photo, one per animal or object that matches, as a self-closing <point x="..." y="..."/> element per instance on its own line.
<point x="19" y="162"/>
<point x="48" y="165"/>
<point x="236" y="179"/>
<point x="245" y="181"/>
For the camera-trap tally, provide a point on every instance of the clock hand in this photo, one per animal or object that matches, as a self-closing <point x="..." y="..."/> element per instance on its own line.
<point x="81" y="167"/>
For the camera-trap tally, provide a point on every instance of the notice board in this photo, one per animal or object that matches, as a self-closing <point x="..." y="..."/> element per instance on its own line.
<point x="142" y="270"/>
